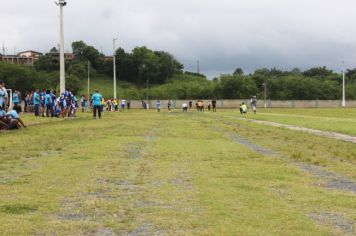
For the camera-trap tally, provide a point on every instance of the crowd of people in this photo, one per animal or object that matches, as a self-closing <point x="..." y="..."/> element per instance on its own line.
<point x="46" y="103"/>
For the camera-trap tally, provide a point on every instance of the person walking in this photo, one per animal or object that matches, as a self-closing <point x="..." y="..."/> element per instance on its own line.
<point x="96" y="98"/>
<point x="123" y="102"/>
<point x="214" y="105"/>
<point x="254" y="104"/>
<point x="83" y="102"/>
<point x="169" y="106"/>
<point x="158" y="104"/>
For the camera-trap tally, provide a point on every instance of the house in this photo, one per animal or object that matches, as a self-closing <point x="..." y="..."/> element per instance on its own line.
<point x="67" y="56"/>
<point x="33" y="54"/>
<point x="23" y="58"/>
<point x="14" y="59"/>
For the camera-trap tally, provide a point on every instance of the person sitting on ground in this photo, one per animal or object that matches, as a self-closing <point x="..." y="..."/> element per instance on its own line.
<point x="243" y="108"/>
<point x="13" y="118"/>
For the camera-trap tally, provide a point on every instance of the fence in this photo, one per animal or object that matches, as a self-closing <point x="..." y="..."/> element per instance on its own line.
<point x="260" y="104"/>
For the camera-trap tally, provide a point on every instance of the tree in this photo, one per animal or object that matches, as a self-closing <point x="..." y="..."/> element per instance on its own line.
<point x="320" y="72"/>
<point x="238" y="71"/>
<point x="46" y="63"/>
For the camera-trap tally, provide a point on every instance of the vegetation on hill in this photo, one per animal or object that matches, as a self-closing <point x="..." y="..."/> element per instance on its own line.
<point x="168" y="80"/>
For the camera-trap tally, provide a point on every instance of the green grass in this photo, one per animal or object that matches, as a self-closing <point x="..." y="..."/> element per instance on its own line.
<point x="150" y="173"/>
<point x="329" y="119"/>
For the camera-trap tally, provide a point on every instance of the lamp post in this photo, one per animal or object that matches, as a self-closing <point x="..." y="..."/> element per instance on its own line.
<point x="343" y="85"/>
<point x="114" y="62"/>
<point x="265" y="87"/>
<point x="61" y="4"/>
<point x="147" y="92"/>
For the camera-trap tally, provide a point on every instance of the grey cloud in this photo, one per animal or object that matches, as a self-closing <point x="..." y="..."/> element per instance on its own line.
<point x="222" y="35"/>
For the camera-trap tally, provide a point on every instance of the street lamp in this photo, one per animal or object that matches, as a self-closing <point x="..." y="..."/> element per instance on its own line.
<point x="147" y="93"/>
<point x="114" y="62"/>
<point x="61" y="4"/>
<point x="88" y="80"/>
<point x="265" y="87"/>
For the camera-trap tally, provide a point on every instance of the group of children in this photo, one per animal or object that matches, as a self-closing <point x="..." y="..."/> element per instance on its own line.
<point x="199" y="105"/>
<point x="47" y="104"/>
<point x="243" y="106"/>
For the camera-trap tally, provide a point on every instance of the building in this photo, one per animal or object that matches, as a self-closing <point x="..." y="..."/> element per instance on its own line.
<point x="67" y="56"/>
<point x="35" y="55"/>
<point x="23" y="58"/>
<point x="14" y="59"/>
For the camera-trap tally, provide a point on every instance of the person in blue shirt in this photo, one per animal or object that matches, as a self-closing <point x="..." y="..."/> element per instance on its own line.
<point x="63" y="105"/>
<point x="96" y="98"/>
<point x="43" y="104"/>
<point x="158" y="105"/>
<point x="15" y="98"/>
<point x="3" y="125"/>
<point x="14" y="120"/>
<point x="36" y="102"/>
<point x="54" y="101"/>
<point x="48" y="103"/>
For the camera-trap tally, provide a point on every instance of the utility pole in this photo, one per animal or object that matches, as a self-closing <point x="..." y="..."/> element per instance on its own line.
<point x="343" y="85"/>
<point x="61" y="4"/>
<point x="114" y="62"/>
<point x="88" y="80"/>
<point x="147" y="106"/>
<point x="265" y="86"/>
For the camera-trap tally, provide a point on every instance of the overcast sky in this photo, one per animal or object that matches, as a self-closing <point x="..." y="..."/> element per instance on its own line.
<point x="222" y="35"/>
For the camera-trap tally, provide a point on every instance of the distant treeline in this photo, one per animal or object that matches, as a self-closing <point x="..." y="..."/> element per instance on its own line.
<point x="168" y="80"/>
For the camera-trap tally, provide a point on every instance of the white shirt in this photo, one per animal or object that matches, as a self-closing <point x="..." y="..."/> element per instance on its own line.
<point x="184" y="105"/>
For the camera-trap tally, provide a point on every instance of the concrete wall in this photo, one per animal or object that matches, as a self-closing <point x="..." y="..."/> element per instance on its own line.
<point x="260" y="103"/>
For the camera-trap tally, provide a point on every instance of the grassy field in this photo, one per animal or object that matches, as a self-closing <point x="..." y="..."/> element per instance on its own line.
<point x="148" y="173"/>
<point x="334" y="119"/>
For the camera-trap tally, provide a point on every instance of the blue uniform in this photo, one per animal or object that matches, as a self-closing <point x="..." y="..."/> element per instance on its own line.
<point x="13" y="114"/>
<point x="96" y="98"/>
<point x="47" y="99"/>
<point x="36" y="99"/>
<point x="3" y="94"/>
<point x="15" y="98"/>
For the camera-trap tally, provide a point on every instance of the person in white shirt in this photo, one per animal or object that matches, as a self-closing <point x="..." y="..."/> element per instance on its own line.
<point x="3" y="95"/>
<point x="123" y="102"/>
<point x="185" y="107"/>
